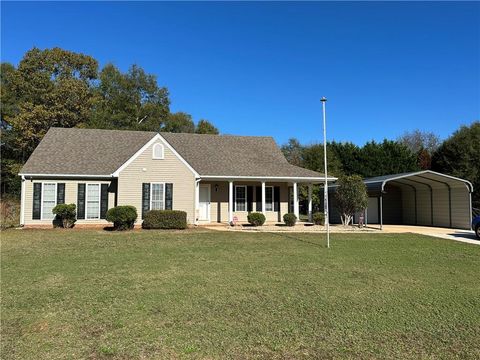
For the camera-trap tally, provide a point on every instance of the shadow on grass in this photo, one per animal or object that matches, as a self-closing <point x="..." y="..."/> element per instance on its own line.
<point x="292" y="237"/>
<point x="465" y="235"/>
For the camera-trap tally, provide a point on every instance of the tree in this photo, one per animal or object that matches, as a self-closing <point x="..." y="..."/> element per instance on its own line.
<point x="459" y="156"/>
<point x="179" y="122"/>
<point x="351" y="196"/>
<point x="349" y="155"/>
<point x="205" y="127"/>
<point x="131" y="100"/>
<point x="424" y="159"/>
<point x="387" y="157"/>
<point x="418" y="140"/>
<point x="292" y="151"/>
<point x="313" y="159"/>
<point x="50" y="87"/>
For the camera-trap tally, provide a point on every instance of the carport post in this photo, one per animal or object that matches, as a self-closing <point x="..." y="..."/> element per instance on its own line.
<point x="471" y="211"/>
<point x="381" y="212"/>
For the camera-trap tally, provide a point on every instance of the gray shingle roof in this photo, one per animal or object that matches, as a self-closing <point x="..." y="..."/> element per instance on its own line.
<point x="227" y="155"/>
<point x="101" y="152"/>
<point x="84" y="151"/>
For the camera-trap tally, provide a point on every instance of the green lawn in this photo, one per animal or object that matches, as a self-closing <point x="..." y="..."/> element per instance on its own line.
<point x="198" y="294"/>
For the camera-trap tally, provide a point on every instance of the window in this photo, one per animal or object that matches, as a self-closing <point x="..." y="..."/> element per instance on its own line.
<point x="157" y="151"/>
<point x="157" y="196"/>
<point x="268" y="198"/>
<point x="93" y="201"/>
<point x="241" y="198"/>
<point x="49" y="200"/>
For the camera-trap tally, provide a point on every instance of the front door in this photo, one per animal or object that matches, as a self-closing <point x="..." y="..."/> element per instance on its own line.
<point x="204" y="203"/>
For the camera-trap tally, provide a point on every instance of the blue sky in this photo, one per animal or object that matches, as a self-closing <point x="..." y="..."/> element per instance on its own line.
<point x="261" y="68"/>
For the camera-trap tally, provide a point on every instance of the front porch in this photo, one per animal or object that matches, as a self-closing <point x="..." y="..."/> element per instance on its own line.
<point x="227" y="201"/>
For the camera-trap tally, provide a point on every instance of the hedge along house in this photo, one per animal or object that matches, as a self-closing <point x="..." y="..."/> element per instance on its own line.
<point x="425" y="198"/>
<point x="213" y="178"/>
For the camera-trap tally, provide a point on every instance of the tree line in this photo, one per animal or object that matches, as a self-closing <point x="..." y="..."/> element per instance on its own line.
<point x="56" y="87"/>
<point x="458" y="155"/>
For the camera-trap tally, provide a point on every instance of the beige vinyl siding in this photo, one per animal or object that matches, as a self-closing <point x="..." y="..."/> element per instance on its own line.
<point x="71" y="188"/>
<point x="219" y="201"/>
<point x="170" y="169"/>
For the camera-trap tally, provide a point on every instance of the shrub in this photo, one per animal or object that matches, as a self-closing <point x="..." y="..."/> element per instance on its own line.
<point x="318" y="218"/>
<point x="123" y="217"/>
<point x="290" y="219"/>
<point x="165" y="219"/>
<point x="256" y="219"/>
<point x="9" y="212"/>
<point x="66" y="214"/>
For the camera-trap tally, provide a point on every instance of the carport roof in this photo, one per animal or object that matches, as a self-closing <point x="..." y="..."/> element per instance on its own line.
<point x="425" y="177"/>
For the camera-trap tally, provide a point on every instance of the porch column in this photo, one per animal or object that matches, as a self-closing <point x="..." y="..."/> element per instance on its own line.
<point x="310" y="205"/>
<point x="230" y="201"/>
<point x="197" y="200"/>
<point x="295" y="201"/>
<point x="263" y="197"/>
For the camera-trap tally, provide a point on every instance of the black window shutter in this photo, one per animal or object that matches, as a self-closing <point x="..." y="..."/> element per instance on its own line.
<point x="145" y="198"/>
<point x="249" y="198"/>
<point x="61" y="193"/>
<point x="168" y="196"/>
<point x="103" y="201"/>
<point x="37" y="201"/>
<point x="258" y="197"/>
<point x="276" y="198"/>
<point x="81" y="201"/>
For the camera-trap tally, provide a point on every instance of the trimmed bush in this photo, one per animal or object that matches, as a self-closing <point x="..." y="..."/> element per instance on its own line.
<point x="66" y="215"/>
<point x="256" y="219"/>
<point x="318" y="218"/>
<point x="290" y="219"/>
<point x="165" y="219"/>
<point x="122" y="217"/>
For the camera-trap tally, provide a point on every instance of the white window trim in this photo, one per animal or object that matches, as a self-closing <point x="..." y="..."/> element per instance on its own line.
<point x="41" y="198"/>
<point x="273" y="198"/>
<point x="153" y="151"/>
<point x="235" y="198"/>
<point x="151" y="192"/>
<point x="99" y="201"/>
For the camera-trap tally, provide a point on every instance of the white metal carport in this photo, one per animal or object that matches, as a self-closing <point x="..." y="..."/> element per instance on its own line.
<point x="423" y="198"/>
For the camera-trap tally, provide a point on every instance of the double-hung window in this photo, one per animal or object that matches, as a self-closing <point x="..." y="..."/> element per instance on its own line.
<point x="93" y="201"/>
<point x="269" y="198"/>
<point x="49" y="200"/>
<point x="240" y="198"/>
<point x="157" y="198"/>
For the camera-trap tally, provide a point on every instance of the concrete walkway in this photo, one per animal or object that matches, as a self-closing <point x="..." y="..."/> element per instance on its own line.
<point x="466" y="236"/>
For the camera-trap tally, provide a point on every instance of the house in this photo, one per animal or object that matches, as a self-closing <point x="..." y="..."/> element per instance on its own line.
<point x="213" y="178"/>
<point x="424" y="198"/>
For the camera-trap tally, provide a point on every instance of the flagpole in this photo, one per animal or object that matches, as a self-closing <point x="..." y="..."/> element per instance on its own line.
<point x="325" y="189"/>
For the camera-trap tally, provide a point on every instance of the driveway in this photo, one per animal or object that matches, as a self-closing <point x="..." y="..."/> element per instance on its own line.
<point x="467" y="236"/>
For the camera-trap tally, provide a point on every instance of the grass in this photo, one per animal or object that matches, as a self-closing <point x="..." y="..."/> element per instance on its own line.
<point x="71" y="294"/>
